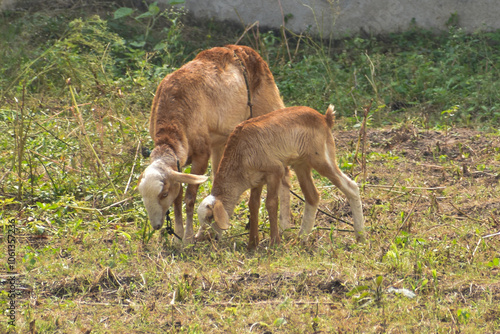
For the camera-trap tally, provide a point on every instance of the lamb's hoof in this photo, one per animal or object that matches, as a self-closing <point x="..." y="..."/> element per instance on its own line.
<point x="200" y="237"/>
<point x="275" y="241"/>
<point x="176" y="241"/>
<point x="252" y="244"/>
<point x="285" y="226"/>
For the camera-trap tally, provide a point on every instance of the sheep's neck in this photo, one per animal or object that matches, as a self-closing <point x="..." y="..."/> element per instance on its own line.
<point x="171" y="146"/>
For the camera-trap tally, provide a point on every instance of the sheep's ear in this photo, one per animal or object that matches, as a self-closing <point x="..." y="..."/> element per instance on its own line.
<point x="188" y="178"/>
<point x="220" y="216"/>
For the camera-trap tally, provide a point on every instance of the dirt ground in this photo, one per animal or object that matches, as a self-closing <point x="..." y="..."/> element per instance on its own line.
<point x="417" y="172"/>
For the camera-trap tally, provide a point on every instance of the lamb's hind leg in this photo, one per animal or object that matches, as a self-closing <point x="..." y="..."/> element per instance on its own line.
<point x="330" y="170"/>
<point x="311" y="196"/>
<point x="253" y="206"/>
<point x="273" y="185"/>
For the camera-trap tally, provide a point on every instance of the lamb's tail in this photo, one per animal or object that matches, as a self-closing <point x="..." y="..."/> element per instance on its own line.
<point x="330" y="116"/>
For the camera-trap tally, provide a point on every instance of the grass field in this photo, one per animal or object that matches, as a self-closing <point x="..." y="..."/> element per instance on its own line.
<point x="87" y="261"/>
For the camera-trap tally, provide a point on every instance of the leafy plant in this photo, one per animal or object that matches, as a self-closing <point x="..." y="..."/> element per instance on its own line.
<point x="364" y="295"/>
<point x="494" y="263"/>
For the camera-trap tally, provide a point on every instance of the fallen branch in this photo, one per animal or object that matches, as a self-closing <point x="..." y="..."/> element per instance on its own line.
<point x="491" y="235"/>
<point x="463" y="213"/>
<point x="401" y="187"/>
<point x="116" y="204"/>
<point x="405" y="221"/>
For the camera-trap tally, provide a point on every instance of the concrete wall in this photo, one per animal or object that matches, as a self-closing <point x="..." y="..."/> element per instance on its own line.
<point x="343" y="17"/>
<point x="347" y="17"/>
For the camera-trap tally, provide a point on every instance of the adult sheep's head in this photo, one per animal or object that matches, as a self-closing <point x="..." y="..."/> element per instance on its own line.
<point x="159" y="186"/>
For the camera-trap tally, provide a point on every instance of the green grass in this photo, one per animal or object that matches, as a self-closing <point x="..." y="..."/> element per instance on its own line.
<point x="87" y="260"/>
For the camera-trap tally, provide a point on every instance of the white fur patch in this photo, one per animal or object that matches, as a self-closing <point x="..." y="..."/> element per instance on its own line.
<point x="308" y="219"/>
<point x="152" y="181"/>
<point x="150" y="187"/>
<point x="328" y="159"/>
<point x="204" y="211"/>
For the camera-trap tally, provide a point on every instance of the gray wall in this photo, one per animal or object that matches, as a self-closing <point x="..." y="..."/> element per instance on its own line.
<point x="347" y="17"/>
<point x="344" y="17"/>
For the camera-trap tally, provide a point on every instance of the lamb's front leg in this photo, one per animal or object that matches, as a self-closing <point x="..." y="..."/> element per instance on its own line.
<point x="273" y="186"/>
<point x="253" y="206"/>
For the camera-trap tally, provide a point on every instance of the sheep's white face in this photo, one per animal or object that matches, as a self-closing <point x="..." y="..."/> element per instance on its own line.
<point x="159" y="186"/>
<point x="158" y="192"/>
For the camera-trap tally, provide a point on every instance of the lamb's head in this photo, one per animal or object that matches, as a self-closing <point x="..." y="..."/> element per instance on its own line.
<point x="212" y="210"/>
<point x="159" y="186"/>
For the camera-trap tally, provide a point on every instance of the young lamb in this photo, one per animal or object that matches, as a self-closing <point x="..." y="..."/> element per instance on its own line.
<point x="194" y="111"/>
<point x="257" y="153"/>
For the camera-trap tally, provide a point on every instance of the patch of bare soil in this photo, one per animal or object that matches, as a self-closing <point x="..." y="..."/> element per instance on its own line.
<point x="262" y="287"/>
<point x="457" y="144"/>
<point x="458" y="159"/>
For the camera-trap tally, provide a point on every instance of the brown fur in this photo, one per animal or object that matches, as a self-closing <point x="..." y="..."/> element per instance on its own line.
<point x="257" y="153"/>
<point x="196" y="108"/>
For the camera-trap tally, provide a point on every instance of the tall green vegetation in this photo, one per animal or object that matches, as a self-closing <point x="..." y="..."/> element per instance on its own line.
<point x="69" y="83"/>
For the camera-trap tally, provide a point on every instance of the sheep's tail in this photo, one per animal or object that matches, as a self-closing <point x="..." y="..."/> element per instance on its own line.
<point x="330" y="116"/>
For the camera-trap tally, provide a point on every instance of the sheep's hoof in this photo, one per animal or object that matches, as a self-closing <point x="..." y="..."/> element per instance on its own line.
<point x="305" y="239"/>
<point x="188" y="239"/>
<point x="286" y="234"/>
<point x="360" y="237"/>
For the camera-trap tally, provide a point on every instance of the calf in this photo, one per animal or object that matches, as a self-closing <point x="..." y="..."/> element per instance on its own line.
<point x="257" y="153"/>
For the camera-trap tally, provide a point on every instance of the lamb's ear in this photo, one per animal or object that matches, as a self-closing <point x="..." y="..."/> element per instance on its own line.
<point x="220" y="216"/>
<point x="188" y="178"/>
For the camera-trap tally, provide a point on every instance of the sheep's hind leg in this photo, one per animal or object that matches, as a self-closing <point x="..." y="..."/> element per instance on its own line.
<point x="285" y="212"/>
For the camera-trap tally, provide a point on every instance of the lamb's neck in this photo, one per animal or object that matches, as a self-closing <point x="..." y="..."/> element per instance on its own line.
<point x="229" y="193"/>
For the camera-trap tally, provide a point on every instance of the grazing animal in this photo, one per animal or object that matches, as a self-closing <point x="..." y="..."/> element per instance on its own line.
<point x="194" y="111"/>
<point x="257" y="153"/>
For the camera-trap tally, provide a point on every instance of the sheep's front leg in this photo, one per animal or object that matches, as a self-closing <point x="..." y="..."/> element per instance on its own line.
<point x="273" y="186"/>
<point x="253" y="206"/>
<point x="179" y="226"/>
<point x="199" y="167"/>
